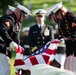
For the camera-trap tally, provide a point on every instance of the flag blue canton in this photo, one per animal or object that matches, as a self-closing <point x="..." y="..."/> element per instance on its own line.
<point x="40" y="51"/>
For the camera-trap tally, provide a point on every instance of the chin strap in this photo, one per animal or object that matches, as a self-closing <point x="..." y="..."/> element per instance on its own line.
<point x="20" y="16"/>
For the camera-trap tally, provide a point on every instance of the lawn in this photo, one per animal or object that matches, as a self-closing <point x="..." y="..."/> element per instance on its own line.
<point x="12" y="62"/>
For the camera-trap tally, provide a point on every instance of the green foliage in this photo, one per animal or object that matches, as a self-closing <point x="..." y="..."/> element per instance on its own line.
<point x="37" y="4"/>
<point x="12" y="63"/>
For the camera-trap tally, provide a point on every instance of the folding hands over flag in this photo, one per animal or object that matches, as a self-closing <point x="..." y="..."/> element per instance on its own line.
<point x="43" y="56"/>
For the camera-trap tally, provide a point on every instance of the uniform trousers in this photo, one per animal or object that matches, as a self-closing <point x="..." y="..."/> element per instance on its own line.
<point x="70" y="60"/>
<point x="4" y="65"/>
<point x="70" y="63"/>
<point x="74" y="64"/>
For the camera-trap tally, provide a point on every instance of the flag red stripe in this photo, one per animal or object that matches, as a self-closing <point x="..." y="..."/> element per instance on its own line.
<point x="46" y="58"/>
<point x="33" y="60"/>
<point x="48" y="51"/>
<point x="55" y="42"/>
<point x="19" y="50"/>
<point x="18" y="62"/>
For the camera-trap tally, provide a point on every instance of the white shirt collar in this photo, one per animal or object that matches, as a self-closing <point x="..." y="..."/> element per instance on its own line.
<point x="40" y="25"/>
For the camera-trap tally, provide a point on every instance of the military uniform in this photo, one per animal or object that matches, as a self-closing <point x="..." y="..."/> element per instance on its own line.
<point x="39" y="37"/>
<point x="67" y="29"/>
<point x="9" y="37"/>
<point x="9" y="29"/>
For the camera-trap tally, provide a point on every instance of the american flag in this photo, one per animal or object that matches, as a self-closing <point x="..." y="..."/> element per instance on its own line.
<point x="43" y="56"/>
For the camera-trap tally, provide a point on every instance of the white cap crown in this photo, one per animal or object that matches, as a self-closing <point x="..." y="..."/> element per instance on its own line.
<point x="54" y="8"/>
<point x="24" y="9"/>
<point x="11" y="8"/>
<point x="39" y="12"/>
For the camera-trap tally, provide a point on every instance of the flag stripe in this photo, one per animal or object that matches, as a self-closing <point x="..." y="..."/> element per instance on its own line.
<point x="40" y="59"/>
<point x="19" y="62"/>
<point x="48" y="51"/>
<point x="33" y="60"/>
<point x="46" y="58"/>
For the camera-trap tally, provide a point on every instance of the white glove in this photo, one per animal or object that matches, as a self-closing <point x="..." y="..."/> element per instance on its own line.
<point x="62" y="43"/>
<point x="13" y="45"/>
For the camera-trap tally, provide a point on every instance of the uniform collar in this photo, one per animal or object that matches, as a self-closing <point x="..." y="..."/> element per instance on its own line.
<point x="40" y="25"/>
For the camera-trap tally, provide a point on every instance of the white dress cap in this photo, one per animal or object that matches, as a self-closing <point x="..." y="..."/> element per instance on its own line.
<point x="24" y="9"/>
<point x="39" y="12"/>
<point x="11" y="8"/>
<point x="54" y="8"/>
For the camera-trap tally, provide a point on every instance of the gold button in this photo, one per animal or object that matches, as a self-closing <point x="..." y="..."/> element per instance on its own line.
<point x="61" y="33"/>
<point x="38" y="42"/>
<point x="38" y="37"/>
<point x="65" y="20"/>
<point x="69" y="33"/>
<point x="43" y="37"/>
<point x="67" y="27"/>
<point x="43" y="42"/>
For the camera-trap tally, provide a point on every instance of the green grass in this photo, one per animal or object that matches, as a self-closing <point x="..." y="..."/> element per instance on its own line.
<point x="12" y="62"/>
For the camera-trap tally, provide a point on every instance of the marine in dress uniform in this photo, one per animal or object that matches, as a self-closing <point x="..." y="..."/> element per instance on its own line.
<point x="9" y="28"/>
<point x="67" y="30"/>
<point x="40" y="33"/>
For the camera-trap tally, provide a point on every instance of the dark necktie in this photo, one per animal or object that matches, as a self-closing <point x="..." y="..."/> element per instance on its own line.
<point x="40" y="27"/>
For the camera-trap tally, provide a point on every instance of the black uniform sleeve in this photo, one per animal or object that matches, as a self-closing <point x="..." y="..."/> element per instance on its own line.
<point x="51" y="32"/>
<point x="15" y="37"/>
<point x="31" y="44"/>
<point x="4" y="31"/>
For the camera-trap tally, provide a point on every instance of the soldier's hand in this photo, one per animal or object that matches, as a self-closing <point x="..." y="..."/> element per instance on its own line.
<point x="34" y="48"/>
<point x="62" y="43"/>
<point x="13" y="45"/>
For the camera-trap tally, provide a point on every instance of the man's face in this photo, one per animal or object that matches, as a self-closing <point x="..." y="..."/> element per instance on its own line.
<point x="22" y="17"/>
<point x="40" y="18"/>
<point x="58" y="16"/>
<point x="52" y="17"/>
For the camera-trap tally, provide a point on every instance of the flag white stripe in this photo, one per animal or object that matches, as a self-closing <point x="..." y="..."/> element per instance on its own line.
<point x="19" y="56"/>
<point x="53" y="46"/>
<point x="28" y="63"/>
<point x="40" y="59"/>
